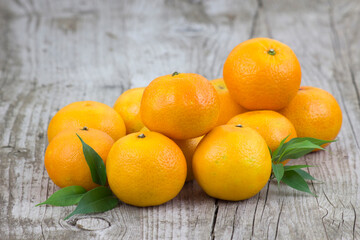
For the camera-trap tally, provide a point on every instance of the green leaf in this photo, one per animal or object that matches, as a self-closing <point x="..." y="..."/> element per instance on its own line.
<point x="95" y="162"/>
<point x="278" y="170"/>
<point x="305" y="175"/>
<point x="296" y="147"/>
<point x="315" y="141"/>
<point x="293" y="167"/>
<point x="65" y="197"/>
<point x="280" y="148"/>
<point x="294" y="176"/>
<point x="296" y="181"/>
<point x="297" y="150"/>
<point x="99" y="199"/>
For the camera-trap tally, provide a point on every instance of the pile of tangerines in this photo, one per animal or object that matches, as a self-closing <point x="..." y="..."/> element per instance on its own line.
<point x="182" y="126"/>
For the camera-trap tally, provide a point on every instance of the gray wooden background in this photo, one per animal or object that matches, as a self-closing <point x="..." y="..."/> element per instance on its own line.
<point x="55" y="52"/>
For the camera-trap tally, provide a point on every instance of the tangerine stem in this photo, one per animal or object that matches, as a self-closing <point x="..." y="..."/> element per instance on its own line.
<point x="271" y="52"/>
<point x="141" y="136"/>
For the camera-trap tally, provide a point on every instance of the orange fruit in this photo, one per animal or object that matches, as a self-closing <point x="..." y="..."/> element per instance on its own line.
<point x="180" y="106"/>
<point x="272" y="126"/>
<point x="232" y="163"/>
<point x="228" y="107"/>
<point x="90" y="114"/>
<point x="145" y="169"/>
<point x="188" y="147"/>
<point x="128" y="106"/>
<point x="315" y="113"/>
<point x="262" y="73"/>
<point x="65" y="161"/>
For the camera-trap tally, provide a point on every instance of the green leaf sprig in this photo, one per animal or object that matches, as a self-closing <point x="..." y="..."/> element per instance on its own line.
<point x="294" y="176"/>
<point x="99" y="199"/>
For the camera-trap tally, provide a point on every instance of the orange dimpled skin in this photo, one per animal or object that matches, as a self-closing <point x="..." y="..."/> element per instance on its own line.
<point x="262" y="74"/>
<point x="145" y="169"/>
<point x="180" y="106"/>
<point x="272" y="126"/>
<point x="228" y="107"/>
<point x="314" y="113"/>
<point x="65" y="161"/>
<point x="90" y="114"/>
<point x="232" y="163"/>
<point x="128" y="106"/>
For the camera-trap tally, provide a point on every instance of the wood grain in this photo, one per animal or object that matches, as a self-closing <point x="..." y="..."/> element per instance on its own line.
<point x="56" y="52"/>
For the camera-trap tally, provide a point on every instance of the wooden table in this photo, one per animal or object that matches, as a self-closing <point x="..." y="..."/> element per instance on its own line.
<point x="53" y="53"/>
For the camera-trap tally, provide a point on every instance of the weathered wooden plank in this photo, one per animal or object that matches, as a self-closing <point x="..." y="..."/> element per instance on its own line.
<point x="56" y="52"/>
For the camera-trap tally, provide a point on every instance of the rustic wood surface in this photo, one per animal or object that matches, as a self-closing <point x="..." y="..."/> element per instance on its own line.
<point x="55" y="52"/>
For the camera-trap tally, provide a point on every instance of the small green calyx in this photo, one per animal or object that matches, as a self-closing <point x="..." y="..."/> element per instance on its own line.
<point x="84" y="128"/>
<point x="271" y="52"/>
<point x="239" y="125"/>
<point x="175" y="73"/>
<point x="141" y="136"/>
